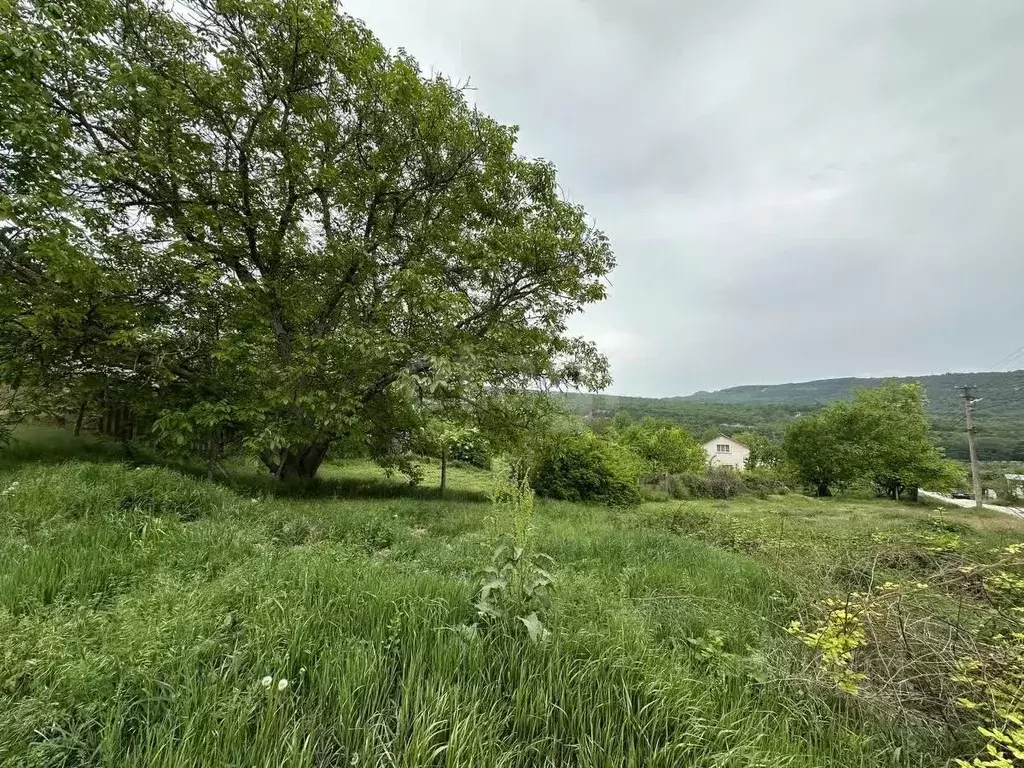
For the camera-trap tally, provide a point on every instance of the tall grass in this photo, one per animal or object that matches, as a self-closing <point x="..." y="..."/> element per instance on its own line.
<point x="143" y="611"/>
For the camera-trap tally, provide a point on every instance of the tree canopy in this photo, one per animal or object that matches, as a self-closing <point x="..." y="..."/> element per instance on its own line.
<point x="882" y="437"/>
<point x="251" y="223"/>
<point x="666" y="448"/>
<point x="764" y="452"/>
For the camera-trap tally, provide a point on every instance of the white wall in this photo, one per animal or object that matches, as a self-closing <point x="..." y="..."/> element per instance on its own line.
<point x="736" y="457"/>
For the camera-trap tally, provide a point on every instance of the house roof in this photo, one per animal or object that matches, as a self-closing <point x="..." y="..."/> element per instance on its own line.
<point x="730" y="439"/>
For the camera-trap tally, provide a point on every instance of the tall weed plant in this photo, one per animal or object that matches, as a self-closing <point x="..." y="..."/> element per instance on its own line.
<point x="514" y="590"/>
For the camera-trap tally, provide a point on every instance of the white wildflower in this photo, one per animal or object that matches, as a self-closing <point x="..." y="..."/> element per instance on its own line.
<point x="282" y="684"/>
<point x="266" y="681"/>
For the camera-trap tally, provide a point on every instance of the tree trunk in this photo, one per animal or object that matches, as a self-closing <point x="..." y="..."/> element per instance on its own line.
<point x="823" y="490"/>
<point x="296" y="464"/>
<point x="444" y="469"/>
<point x="81" y="415"/>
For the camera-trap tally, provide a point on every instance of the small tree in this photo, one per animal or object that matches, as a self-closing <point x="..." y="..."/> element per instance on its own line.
<point x="828" y="450"/>
<point x="666" y="448"/>
<point x="764" y="452"/>
<point x="441" y="438"/>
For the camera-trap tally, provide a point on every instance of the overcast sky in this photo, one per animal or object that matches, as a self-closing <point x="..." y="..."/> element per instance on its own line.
<point x="794" y="190"/>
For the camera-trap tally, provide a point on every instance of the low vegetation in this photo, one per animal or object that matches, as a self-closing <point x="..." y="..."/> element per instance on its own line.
<point x="316" y="305"/>
<point x="151" y="618"/>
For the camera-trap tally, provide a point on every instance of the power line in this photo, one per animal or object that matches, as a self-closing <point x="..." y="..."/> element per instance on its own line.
<point x="1008" y="358"/>
<point x="993" y="405"/>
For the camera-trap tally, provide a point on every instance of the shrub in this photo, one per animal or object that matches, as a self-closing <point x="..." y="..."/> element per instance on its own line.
<point x="586" y="467"/>
<point x="715" y="483"/>
<point x="678" y="487"/>
<point x="655" y="492"/>
<point x="764" y="482"/>
<point x="472" y="453"/>
<point x="725" y="483"/>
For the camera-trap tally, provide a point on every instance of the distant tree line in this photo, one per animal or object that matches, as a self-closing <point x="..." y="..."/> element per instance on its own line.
<point x="770" y="410"/>
<point x="880" y="439"/>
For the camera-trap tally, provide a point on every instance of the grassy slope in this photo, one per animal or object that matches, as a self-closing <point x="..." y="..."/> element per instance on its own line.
<point x="140" y="609"/>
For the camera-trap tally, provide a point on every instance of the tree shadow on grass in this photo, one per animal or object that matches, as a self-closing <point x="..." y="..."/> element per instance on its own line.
<point x="38" y="444"/>
<point x="343" y="488"/>
<point x="41" y="444"/>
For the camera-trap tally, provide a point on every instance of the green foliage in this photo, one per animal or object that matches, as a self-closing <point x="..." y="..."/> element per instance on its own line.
<point x="512" y="504"/>
<point x="769" y="409"/>
<point x="828" y="449"/>
<point x="895" y="631"/>
<point x="703" y="420"/>
<point x="993" y="671"/>
<point x="473" y="453"/>
<point x="326" y="631"/>
<point x="764" y="482"/>
<point x="713" y="483"/>
<point x="839" y="633"/>
<point x="250" y="223"/>
<point x="667" y="449"/>
<point x="901" y="452"/>
<point x="515" y="588"/>
<point x="725" y="483"/>
<point x="765" y="453"/>
<point x="11" y="413"/>
<point x="587" y="468"/>
<point x="882" y="436"/>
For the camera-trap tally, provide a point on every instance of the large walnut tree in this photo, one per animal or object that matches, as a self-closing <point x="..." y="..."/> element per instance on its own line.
<point x="247" y="218"/>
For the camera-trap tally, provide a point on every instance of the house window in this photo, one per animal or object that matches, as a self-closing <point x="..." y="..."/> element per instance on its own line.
<point x="722" y="448"/>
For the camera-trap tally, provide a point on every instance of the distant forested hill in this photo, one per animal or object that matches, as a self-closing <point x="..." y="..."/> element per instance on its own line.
<point x="769" y="408"/>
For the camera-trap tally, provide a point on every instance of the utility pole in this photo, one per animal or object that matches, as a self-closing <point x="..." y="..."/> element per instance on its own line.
<point x="968" y="396"/>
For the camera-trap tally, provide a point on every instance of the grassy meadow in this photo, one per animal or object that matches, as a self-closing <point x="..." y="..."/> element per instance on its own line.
<point x="150" y="617"/>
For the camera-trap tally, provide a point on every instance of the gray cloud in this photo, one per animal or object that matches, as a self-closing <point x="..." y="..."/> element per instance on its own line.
<point x="794" y="190"/>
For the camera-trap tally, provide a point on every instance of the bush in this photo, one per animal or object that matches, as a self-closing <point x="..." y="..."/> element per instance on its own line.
<point x="725" y="483"/>
<point x="586" y="467"/>
<point x="471" y="453"/>
<point x="680" y="487"/>
<point x="655" y="492"/>
<point x="715" y="483"/>
<point x="764" y="482"/>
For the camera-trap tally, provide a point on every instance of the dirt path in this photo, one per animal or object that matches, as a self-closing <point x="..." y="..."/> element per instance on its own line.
<point x="969" y="503"/>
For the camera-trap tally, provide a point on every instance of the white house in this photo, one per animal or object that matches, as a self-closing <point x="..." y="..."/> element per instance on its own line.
<point x="725" y="452"/>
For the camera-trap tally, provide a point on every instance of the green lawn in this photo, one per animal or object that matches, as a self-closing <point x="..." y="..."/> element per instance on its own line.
<point x="142" y="609"/>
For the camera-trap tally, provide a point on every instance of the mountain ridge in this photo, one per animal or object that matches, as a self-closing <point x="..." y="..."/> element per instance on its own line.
<point x="1006" y="388"/>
